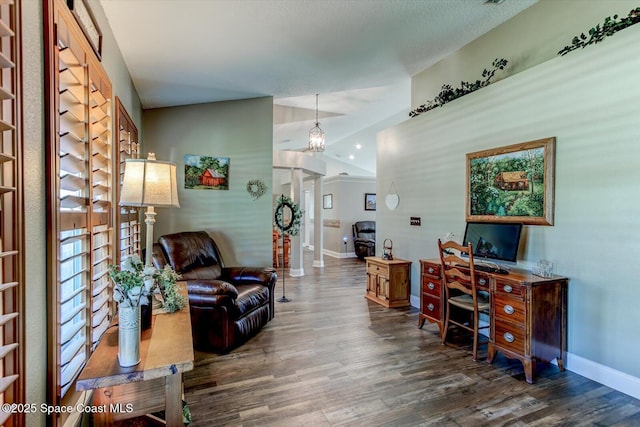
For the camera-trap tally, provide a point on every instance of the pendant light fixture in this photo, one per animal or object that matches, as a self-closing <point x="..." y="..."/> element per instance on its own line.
<point x="316" y="135"/>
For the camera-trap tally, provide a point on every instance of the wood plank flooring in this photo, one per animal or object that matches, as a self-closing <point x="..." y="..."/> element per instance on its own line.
<point x="332" y="358"/>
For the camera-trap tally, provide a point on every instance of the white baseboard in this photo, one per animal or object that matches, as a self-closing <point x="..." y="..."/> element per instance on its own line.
<point x="319" y="264"/>
<point x="335" y="254"/>
<point x="597" y="372"/>
<point x="605" y="375"/>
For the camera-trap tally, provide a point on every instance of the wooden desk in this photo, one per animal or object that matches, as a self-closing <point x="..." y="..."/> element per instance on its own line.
<point x="155" y="384"/>
<point x="528" y="313"/>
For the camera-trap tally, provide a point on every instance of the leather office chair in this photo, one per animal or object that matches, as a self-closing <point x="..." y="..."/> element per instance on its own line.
<point x="458" y="276"/>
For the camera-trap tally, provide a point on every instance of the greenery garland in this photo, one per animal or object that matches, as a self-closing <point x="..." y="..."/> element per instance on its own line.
<point x="448" y="93"/>
<point x="293" y="227"/>
<point x="609" y="27"/>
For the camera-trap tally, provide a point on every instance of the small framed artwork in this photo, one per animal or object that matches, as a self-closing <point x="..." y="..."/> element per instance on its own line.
<point x="370" y="201"/>
<point x="206" y="173"/>
<point x="512" y="183"/>
<point x="87" y="21"/>
<point x="327" y="201"/>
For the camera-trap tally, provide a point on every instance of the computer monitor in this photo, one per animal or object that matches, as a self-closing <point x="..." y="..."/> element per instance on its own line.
<point x="494" y="241"/>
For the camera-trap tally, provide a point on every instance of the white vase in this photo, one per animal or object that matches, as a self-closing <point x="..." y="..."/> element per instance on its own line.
<point x="129" y="336"/>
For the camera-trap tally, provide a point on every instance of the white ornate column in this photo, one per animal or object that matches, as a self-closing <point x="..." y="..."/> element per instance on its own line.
<point x="318" y="230"/>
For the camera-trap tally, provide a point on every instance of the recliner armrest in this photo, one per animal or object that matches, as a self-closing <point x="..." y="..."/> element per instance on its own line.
<point x="263" y="275"/>
<point x="211" y="287"/>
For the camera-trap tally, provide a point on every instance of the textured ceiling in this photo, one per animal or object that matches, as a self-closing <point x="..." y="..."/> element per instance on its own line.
<point x="359" y="55"/>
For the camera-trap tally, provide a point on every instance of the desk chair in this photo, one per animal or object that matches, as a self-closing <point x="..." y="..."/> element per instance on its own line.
<point x="460" y="290"/>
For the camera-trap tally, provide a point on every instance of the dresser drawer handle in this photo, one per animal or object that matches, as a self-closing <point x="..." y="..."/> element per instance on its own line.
<point x="508" y="289"/>
<point x="430" y="307"/>
<point x="431" y="286"/>
<point x="430" y="270"/>
<point x="482" y="282"/>
<point x="509" y="309"/>
<point x="508" y="337"/>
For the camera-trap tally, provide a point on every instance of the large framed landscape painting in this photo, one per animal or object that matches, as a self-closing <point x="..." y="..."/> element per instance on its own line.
<point x="512" y="184"/>
<point x="206" y="173"/>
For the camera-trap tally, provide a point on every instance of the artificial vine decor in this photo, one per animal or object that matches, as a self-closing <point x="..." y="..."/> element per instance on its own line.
<point x="448" y="93"/>
<point x="598" y="33"/>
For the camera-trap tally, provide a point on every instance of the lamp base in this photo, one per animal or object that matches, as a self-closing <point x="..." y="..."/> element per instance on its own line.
<point x="284" y="299"/>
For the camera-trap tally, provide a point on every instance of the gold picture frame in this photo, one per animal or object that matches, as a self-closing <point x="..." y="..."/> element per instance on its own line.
<point x="514" y="183"/>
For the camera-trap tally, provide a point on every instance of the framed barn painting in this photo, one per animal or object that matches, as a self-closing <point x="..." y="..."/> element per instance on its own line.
<point x="512" y="184"/>
<point x="206" y="173"/>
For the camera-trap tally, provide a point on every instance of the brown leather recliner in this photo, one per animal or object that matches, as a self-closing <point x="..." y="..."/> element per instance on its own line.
<point x="364" y="238"/>
<point x="228" y="304"/>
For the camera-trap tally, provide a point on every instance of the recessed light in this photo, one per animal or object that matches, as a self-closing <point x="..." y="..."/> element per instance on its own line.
<point x="358" y="146"/>
<point x="351" y="157"/>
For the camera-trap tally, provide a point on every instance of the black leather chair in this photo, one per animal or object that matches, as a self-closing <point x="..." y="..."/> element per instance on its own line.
<point x="364" y="238"/>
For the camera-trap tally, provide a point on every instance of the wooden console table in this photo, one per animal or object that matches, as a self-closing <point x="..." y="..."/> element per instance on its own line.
<point x="154" y="384"/>
<point x="528" y="313"/>
<point x="388" y="281"/>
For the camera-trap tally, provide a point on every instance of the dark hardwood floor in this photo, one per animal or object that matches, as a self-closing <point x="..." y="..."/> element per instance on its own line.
<point x="331" y="358"/>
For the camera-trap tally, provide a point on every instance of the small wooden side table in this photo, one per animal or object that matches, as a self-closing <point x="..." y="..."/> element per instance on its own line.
<point x="154" y="384"/>
<point x="388" y="281"/>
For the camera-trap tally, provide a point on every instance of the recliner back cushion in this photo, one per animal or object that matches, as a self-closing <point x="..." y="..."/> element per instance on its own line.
<point x="191" y="250"/>
<point x="365" y="230"/>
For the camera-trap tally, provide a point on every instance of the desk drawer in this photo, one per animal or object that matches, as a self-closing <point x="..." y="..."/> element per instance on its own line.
<point x="510" y="289"/>
<point x="432" y="269"/>
<point x="431" y="286"/>
<point x="509" y="309"/>
<point x="430" y="306"/>
<point x="509" y="337"/>
<point x="482" y="282"/>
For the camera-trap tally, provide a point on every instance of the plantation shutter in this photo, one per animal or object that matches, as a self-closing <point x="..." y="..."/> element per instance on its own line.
<point x="11" y="215"/>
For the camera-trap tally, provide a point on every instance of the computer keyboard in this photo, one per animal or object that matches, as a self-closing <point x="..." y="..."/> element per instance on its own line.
<point x="489" y="269"/>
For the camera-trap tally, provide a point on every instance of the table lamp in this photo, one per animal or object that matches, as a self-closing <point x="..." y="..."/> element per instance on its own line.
<point x="150" y="183"/>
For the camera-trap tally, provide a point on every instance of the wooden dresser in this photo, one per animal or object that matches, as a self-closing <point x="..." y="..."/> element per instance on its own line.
<point x="388" y="281"/>
<point x="528" y="313"/>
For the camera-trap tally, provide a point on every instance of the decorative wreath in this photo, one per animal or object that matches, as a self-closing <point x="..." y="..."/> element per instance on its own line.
<point x="256" y="188"/>
<point x="293" y="227"/>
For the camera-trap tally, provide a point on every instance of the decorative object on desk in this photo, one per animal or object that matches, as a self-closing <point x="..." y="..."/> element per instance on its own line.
<point x="369" y="201"/>
<point x="392" y="199"/>
<point x="387" y="249"/>
<point x="543" y="268"/>
<point x="167" y="281"/>
<point x="512" y="184"/>
<point x="206" y="173"/>
<point x="287" y="219"/>
<point x="327" y="201"/>
<point x="132" y="286"/>
<point x="149" y="183"/>
<point x="129" y="336"/>
<point x="256" y="188"/>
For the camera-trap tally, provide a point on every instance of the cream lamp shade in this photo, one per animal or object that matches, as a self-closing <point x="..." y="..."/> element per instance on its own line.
<point x="149" y="182"/>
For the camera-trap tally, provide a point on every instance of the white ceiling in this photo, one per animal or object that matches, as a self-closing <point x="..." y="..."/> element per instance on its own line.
<point x="359" y="55"/>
